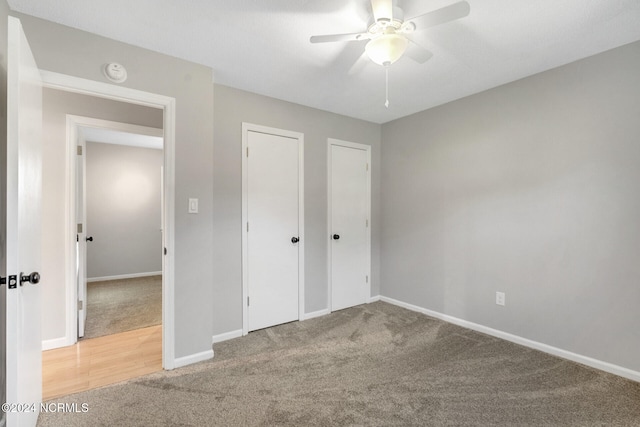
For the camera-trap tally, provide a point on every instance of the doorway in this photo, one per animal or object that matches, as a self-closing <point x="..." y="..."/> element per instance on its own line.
<point x="167" y="105"/>
<point x="349" y="217"/>
<point x="118" y="188"/>
<point x="119" y="226"/>
<point x="158" y="340"/>
<point x="273" y="226"/>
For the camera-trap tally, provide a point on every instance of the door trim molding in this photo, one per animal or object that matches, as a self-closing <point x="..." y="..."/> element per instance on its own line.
<point x="367" y="148"/>
<point x="246" y="128"/>
<point x="168" y="105"/>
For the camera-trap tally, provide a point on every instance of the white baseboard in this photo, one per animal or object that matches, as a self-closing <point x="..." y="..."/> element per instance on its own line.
<point x="227" y="336"/>
<point x="408" y="306"/>
<point x="56" y="343"/>
<point x="179" y="362"/>
<point x="124" y="276"/>
<point x="326" y="311"/>
<point x="318" y="313"/>
<point x="578" y="358"/>
<point x="238" y="333"/>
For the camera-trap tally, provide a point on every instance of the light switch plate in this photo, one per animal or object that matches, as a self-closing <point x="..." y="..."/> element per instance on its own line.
<point x="500" y="298"/>
<point x="193" y="206"/>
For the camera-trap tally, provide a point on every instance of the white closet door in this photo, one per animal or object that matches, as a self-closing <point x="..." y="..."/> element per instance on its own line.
<point x="349" y="198"/>
<point x="273" y="227"/>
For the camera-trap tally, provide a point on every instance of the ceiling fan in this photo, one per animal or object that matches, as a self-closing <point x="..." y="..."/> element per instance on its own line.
<point x="389" y="35"/>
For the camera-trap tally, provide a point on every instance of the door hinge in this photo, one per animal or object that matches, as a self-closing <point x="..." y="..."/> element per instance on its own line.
<point x="79" y="229"/>
<point x="79" y="151"/>
<point x="247" y="226"/>
<point x="80" y="304"/>
<point x="367" y="167"/>
<point x="12" y="282"/>
<point x="248" y="302"/>
<point x="165" y="251"/>
<point x="367" y="222"/>
<point x="247" y="151"/>
<point x="367" y="278"/>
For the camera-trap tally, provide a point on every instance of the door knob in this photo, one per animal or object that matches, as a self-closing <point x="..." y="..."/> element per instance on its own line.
<point x="33" y="278"/>
<point x="294" y="240"/>
<point x="336" y="237"/>
<point x="89" y="239"/>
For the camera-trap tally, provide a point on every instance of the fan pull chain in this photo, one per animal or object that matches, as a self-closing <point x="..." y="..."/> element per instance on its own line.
<point x="386" y="88"/>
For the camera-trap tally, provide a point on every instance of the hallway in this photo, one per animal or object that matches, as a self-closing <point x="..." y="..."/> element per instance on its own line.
<point x="101" y="361"/>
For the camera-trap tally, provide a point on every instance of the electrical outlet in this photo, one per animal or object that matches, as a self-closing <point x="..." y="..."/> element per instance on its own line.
<point x="500" y="298"/>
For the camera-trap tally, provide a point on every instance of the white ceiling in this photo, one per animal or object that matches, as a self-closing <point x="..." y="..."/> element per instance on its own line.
<point x="263" y="46"/>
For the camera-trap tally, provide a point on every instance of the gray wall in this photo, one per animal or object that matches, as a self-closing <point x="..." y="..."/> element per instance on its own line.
<point x="232" y="107"/>
<point x="77" y="53"/>
<point x="4" y="12"/>
<point x="123" y="210"/>
<point x="531" y="188"/>
<point x="56" y="105"/>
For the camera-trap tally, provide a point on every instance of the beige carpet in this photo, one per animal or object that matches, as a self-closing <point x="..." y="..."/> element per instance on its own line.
<point x="372" y="365"/>
<point x="123" y="305"/>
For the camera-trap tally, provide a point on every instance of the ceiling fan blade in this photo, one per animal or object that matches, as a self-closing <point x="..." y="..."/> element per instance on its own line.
<point x="417" y="52"/>
<point x="440" y="16"/>
<point x="329" y="38"/>
<point x="382" y="9"/>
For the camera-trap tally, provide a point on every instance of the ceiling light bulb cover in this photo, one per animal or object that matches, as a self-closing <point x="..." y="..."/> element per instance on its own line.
<point x="387" y="48"/>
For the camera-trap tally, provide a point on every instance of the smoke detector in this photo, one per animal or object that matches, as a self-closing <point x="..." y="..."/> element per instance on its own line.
<point x="115" y="72"/>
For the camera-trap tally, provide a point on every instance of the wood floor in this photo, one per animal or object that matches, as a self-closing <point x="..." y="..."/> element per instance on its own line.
<point x="101" y="361"/>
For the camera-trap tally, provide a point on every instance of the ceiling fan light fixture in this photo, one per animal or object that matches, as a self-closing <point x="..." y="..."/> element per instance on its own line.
<point x="386" y="48"/>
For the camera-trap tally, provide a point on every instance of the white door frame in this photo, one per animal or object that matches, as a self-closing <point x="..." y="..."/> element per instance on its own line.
<point x="246" y="128"/>
<point x="79" y="215"/>
<point x="367" y="148"/>
<point x="73" y="136"/>
<point x="133" y="96"/>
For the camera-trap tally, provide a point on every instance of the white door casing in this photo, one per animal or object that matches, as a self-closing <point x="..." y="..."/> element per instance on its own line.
<point x="272" y="219"/>
<point x="349" y="216"/>
<point x="24" y="194"/>
<point x="81" y="233"/>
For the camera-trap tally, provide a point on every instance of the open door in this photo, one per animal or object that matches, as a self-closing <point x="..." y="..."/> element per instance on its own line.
<point x="81" y="240"/>
<point x="349" y="233"/>
<point x="23" y="224"/>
